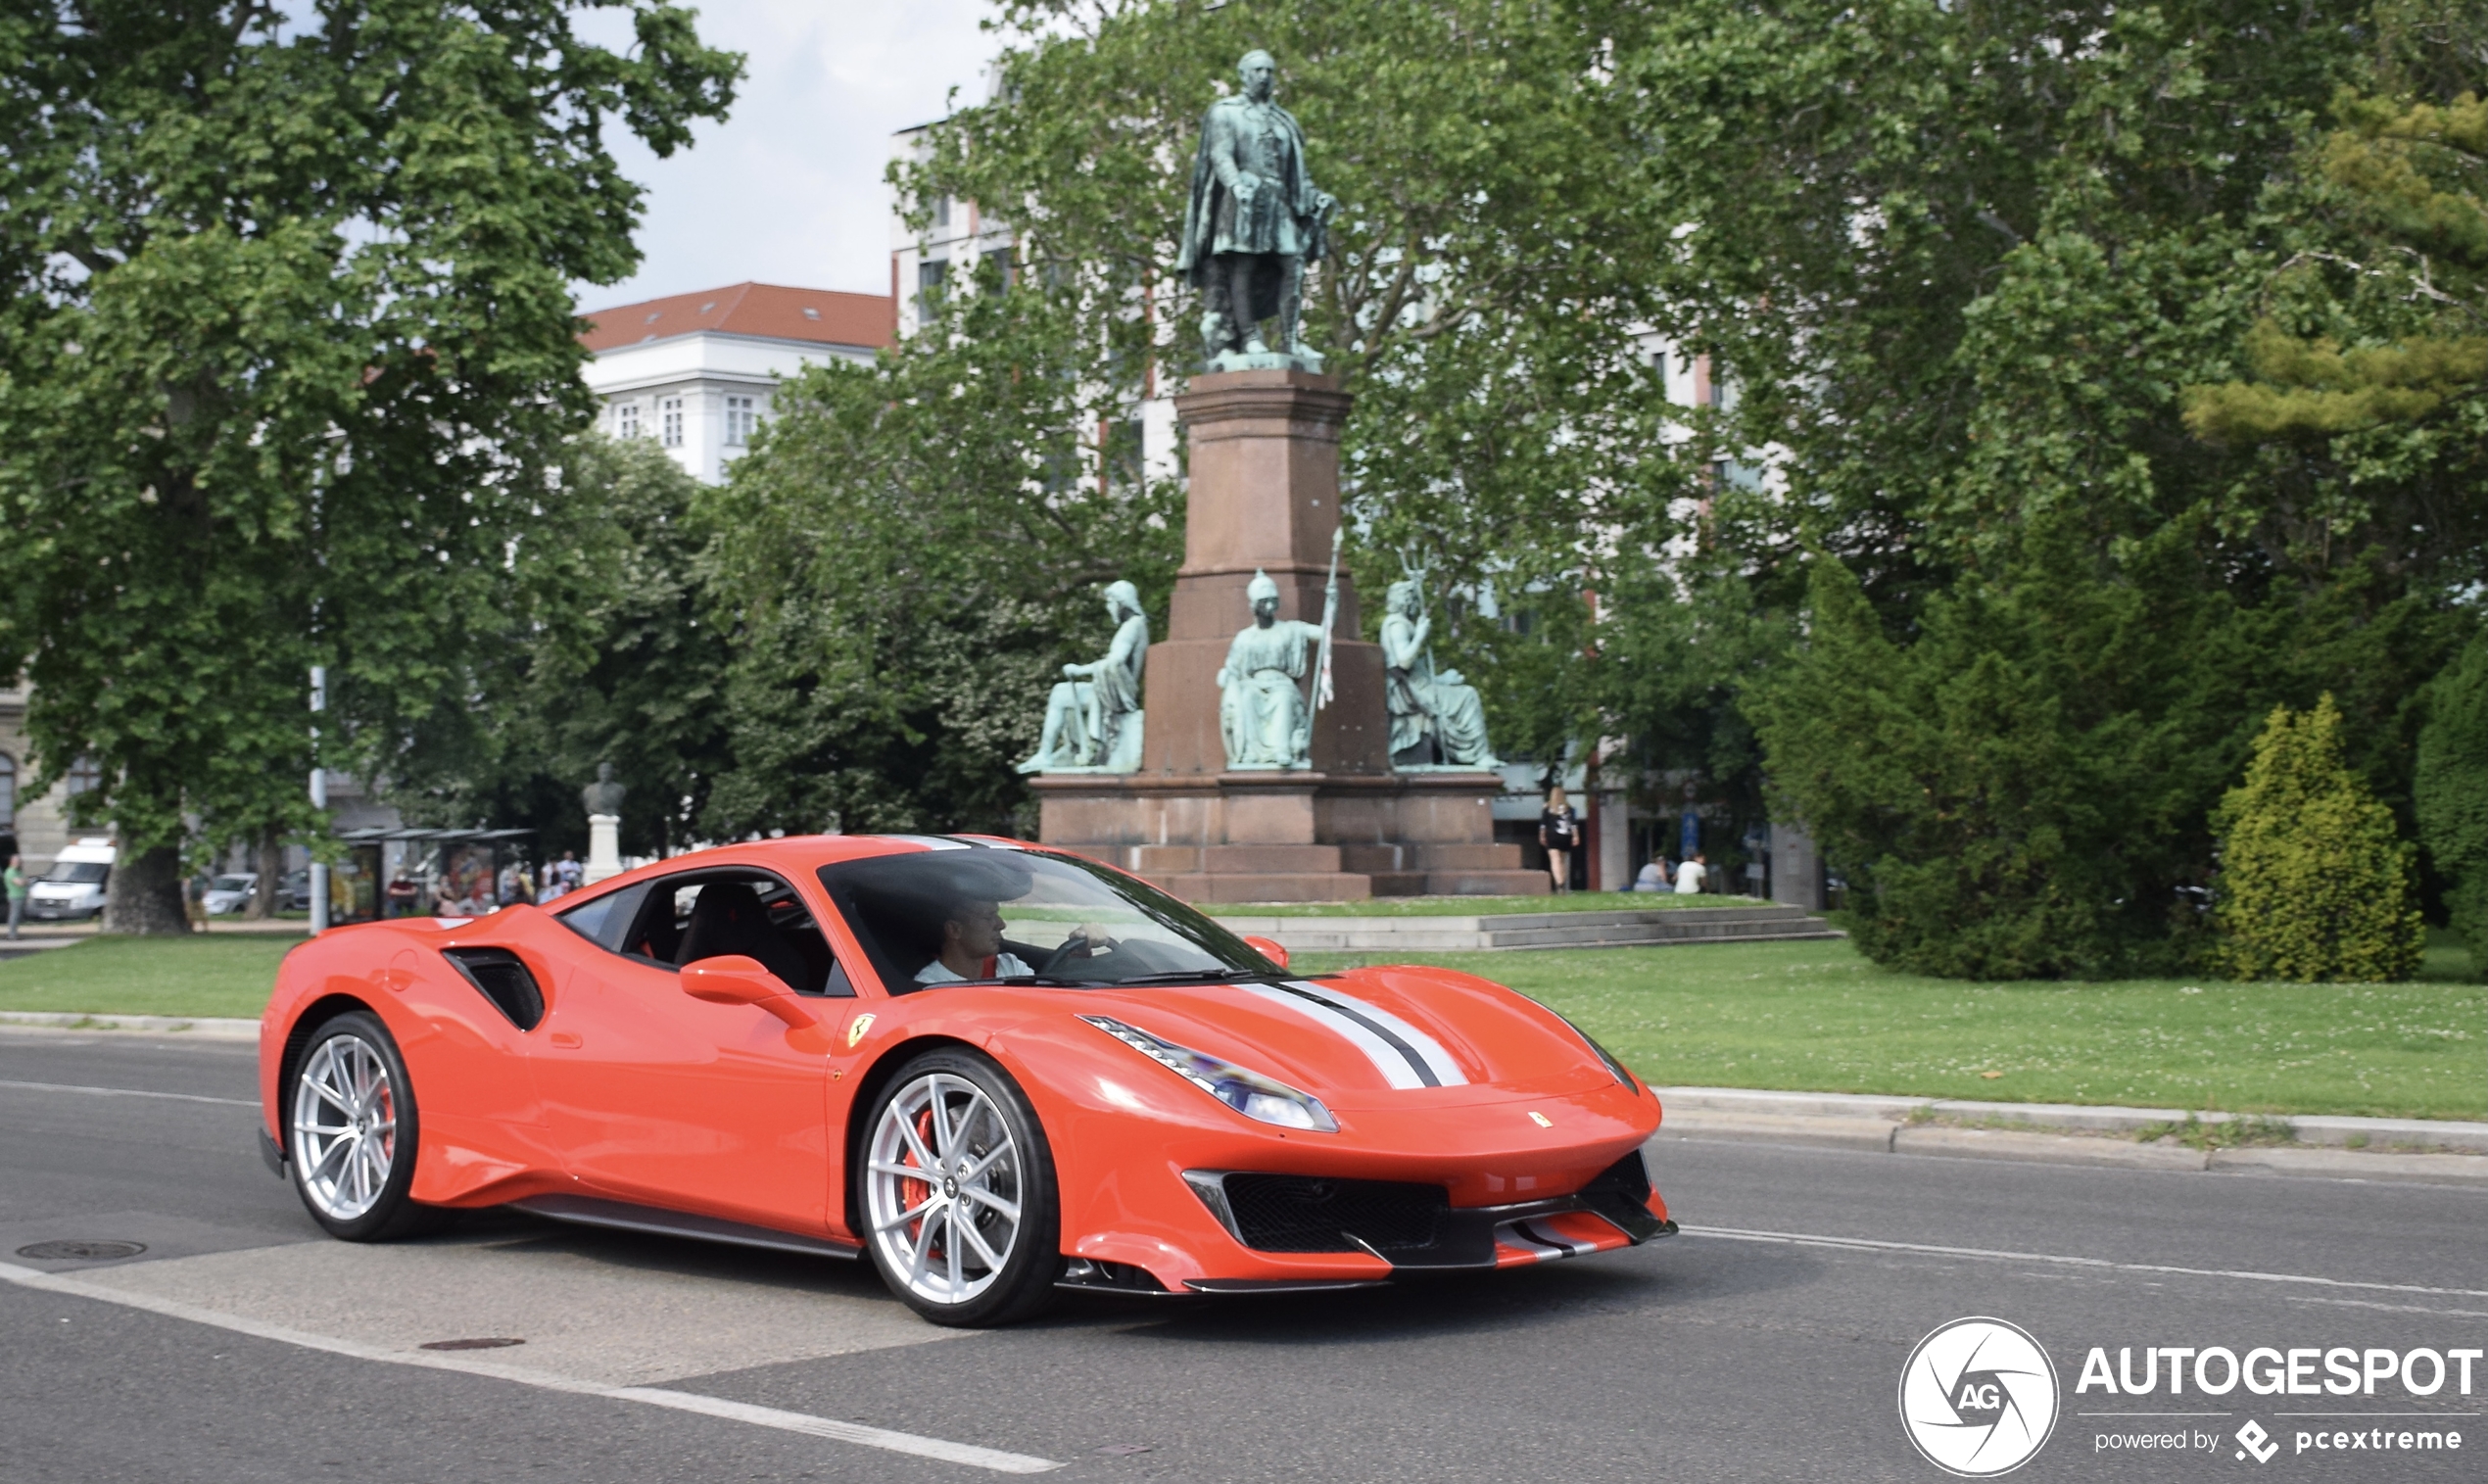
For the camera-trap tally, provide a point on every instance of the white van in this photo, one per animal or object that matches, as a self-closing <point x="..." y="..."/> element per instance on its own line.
<point x="74" y="888"/>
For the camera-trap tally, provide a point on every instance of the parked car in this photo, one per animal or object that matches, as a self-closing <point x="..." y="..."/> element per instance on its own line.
<point x="293" y="891"/>
<point x="73" y="891"/>
<point x="230" y="893"/>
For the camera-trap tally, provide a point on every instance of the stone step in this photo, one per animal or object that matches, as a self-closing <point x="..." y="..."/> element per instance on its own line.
<point x="1157" y="861"/>
<point x="1269" y="886"/>
<point x="1534" y="930"/>
<point x="1424" y="856"/>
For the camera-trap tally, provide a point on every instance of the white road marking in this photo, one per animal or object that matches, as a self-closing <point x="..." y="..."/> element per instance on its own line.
<point x="179" y="1097"/>
<point x="650" y="1396"/>
<point x="1865" y="1244"/>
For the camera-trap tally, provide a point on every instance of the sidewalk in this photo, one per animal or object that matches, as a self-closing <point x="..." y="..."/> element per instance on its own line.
<point x="2343" y="1148"/>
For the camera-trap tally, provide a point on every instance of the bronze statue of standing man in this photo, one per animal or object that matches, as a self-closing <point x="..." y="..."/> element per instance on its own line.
<point x="1254" y="220"/>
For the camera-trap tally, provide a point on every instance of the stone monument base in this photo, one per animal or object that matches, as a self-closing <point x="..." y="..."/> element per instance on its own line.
<point x="1290" y="837"/>
<point x="605" y="849"/>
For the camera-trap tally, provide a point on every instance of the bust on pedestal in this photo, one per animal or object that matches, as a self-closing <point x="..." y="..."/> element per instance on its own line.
<point x="603" y="799"/>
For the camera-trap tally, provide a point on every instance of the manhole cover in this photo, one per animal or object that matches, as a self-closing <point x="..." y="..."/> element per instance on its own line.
<point x="74" y="1251"/>
<point x="487" y="1342"/>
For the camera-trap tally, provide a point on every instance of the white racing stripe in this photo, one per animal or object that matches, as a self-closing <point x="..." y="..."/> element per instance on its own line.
<point x="1406" y="1056"/>
<point x="177" y="1097"/>
<point x="1397" y="1069"/>
<point x="649" y="1396"/>
<point x="1548" y="1236"/>
<point x="1866" y="1244"/>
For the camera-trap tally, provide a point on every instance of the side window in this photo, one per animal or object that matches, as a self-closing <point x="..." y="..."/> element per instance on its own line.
<point x="604" y="921"/>
<point x="716" y="914"/>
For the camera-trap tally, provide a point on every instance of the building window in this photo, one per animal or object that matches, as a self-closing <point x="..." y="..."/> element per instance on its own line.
<point x="741" y="419"/>
<point x="7" y="792"/>
<point x="669" y="419"/>
<point x="929" y="277"/>
<point x="85" y="774"/>
<point x="626" y="420"/>
<point x="941" y="210"/>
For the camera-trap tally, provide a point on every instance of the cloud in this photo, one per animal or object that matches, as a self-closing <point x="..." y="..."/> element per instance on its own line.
<point x="788" y="189"/>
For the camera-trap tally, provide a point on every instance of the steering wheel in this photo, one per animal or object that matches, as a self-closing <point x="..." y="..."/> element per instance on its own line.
<point x="1079" y="945"/>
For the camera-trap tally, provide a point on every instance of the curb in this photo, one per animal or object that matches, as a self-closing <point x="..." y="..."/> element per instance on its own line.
<point x="2438" y="1151"/>
<point x="195" y="1028"/>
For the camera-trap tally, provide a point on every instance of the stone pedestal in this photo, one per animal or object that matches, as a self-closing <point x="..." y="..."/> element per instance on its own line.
<point x="1265" y="496"/>
<point x="605" y="849"/>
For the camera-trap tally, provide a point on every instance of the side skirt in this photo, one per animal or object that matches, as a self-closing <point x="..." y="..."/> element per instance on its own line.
<point x="622" y="1215"/>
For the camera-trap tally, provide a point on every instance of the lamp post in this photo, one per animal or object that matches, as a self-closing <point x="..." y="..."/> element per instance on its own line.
<point x="319" y="800"/>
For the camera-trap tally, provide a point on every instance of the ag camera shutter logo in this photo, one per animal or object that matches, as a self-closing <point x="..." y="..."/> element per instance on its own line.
<point x="1977" y="1397"/>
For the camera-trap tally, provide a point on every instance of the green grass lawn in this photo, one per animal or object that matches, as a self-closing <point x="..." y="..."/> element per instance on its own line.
<point x="1482" y="906"/>
<point x="1801" y="1015"/>
<point x="213" y="973"/>
<point x="1816" y="1016"/>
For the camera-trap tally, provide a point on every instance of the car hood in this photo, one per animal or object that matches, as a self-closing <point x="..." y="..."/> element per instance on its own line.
<point x="1372" y="1038"/>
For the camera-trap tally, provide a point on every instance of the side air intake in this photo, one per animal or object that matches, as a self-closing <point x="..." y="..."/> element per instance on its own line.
<point x="502" y="977"/>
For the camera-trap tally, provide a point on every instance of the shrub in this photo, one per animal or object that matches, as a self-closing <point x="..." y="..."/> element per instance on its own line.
<point x="2315" y="882"/>
<point x="2452" y="791"/>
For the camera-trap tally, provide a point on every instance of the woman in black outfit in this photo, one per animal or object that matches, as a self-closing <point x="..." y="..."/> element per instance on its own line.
<point x="1559" y="831"/>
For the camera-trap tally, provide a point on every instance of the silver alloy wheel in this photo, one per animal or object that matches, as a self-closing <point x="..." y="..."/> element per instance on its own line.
<point x="944" y="1188"/>
<point x="345" y="1127"/>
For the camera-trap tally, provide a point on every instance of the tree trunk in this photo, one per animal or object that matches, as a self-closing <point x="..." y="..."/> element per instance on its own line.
<point x="144" y="895"/>
<point x="270" y="865"/>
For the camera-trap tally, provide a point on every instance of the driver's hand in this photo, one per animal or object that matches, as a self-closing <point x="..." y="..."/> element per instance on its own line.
<point x="1097" y="937"/>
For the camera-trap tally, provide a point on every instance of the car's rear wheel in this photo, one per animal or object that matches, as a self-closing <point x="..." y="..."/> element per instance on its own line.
<point x="353" y="1131"/>
<point x="958" y="1193"/>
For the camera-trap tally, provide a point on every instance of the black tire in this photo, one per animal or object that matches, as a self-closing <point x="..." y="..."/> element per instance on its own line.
<point x="347" y="1196"/>
<point x="948" y="1283"/>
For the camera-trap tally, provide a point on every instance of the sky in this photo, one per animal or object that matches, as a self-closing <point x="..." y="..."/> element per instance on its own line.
<point x="788" y="189"/>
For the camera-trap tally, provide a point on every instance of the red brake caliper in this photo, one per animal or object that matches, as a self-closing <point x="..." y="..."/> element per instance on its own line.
<point x="914" y="1193"/>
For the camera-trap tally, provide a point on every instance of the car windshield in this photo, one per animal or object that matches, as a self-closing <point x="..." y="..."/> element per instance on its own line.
<point x="232" y="883"/>
<point x="1001" y="915"/>
<point x="83" y="873"/>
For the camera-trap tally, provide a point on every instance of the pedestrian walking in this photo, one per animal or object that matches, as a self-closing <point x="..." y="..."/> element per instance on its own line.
<point x="1692" y="875"/>
<point x="15" y="879"/>
<point x="1559" y="831"/>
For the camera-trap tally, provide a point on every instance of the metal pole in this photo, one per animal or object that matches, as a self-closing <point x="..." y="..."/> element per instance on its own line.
<point x="320" y="799"/>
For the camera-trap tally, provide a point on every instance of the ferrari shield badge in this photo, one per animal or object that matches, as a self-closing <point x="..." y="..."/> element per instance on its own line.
<point x="855" y="1029"/>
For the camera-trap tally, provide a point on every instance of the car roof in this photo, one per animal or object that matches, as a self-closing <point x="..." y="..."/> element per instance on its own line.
<point x="797" y="853"/>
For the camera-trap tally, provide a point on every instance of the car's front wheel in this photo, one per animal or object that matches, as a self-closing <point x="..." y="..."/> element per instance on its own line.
<point x="351" y="1129"/>
<point x="958" y="1196"/>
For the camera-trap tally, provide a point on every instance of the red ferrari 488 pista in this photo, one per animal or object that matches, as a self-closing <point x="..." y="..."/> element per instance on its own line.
<point x="993" y="1068"/>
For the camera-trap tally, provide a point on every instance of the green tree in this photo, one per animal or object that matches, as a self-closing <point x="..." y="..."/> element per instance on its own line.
<point x="2021" y="790"/>
<point x="2315" y="882"/>
<point x="604" y="654"/>
<point x="2452" y="791"/>
<point x="1964" y="262"/>
<point x="906" y="558"/>
<point x="286" y="348"/>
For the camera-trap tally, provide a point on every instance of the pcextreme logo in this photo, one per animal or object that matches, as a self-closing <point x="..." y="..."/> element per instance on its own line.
<point x="1977" y="1397"/>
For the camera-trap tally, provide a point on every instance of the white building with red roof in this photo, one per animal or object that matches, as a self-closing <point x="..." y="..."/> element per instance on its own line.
<point x="698" y="372"/>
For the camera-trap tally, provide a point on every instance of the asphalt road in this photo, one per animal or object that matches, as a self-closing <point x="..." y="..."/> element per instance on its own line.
<point x="1729" y="1353"/>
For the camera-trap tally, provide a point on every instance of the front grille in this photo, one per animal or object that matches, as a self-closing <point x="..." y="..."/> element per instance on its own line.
<point x="1294" y="1213"/>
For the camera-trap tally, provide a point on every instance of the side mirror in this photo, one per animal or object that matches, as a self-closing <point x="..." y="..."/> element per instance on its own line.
<point x="1269" y="948"/>
<point x="735" y="979"/>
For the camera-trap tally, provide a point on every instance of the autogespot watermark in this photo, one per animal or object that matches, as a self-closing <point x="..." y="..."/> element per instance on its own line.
<point x="1980" y="1397"/>
<point x="2221" y="1371"/>
<point x="1977" y="1397"/>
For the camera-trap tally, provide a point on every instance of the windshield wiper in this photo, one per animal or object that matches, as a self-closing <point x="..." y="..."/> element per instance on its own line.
<point x="1196" y="977"/>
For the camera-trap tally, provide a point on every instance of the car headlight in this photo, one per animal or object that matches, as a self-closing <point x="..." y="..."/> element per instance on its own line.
<point x="1265" y="1099"/>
